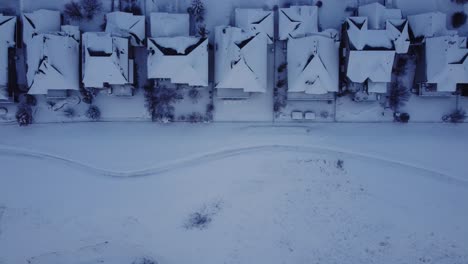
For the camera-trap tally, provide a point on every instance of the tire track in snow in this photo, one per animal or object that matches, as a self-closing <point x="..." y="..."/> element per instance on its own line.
<point x="222" y="154"/>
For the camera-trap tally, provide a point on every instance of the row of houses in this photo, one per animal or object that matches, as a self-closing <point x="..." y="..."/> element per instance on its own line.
<point x="61" y="60"/>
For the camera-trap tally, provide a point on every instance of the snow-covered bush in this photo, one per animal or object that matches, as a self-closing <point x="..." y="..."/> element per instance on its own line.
<point x="398" y="96"/>
<point x="194" y="94"/>
<point x="195" y="117"/>
<point x="457" y="116"/>
<point x="24" y="114"/>
<point x="145" y="260"/>
<point x="458" y="19"/>
<point x="73" y="11"/>
<point x="198" y="220"/>
<point x="93" y="113"/>
<point x="69" y="112"/>
<point x="197" y="10"/>
<point x="91" y="7"/>
<point x="87" y="96"/>
<point x="159" y="102"/>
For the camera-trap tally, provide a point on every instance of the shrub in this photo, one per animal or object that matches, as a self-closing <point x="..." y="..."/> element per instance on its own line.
<point x="194" y="94"/>
<point x="282" y="67"/>
<point x="24" y="115"/>
<point x="281" y="83"/>
<point x="340" y="164"/>
<point x="398" y="96"/>
<point x="319" y="4"/>
<point x="197" y="10"/>
<point x="91" y="7"/>
<point x="458" y="19"/>
<point x="73" y="11"/>
<point x="195" y="117"/>
<point x="93" y="113"/>
<point x="87" y="96"/>
<point x="145" y="260"/>
<point x="69" y="112"/>
<point x="202" y="32"/>
<point x="198" y="220"/>
<point x="457" y="116"/>
<point x="209" y="107"/>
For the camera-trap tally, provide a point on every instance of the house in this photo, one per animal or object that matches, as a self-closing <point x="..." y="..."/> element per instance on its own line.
<point x="106" y="62"/>
<point x="183" y="60"/>
<point x="297" y="21"/>
<point x="169" y="25"/>
<point x="40" y="21"/>
<point x="444" y="68"/>
<point x="427" y="25"/>
<point x="257" y="21"/>
<point x="53" y="63"/>
<point x="370" y="44"/>
<point x="173" y="54"/>
<point x="240" y="63"/>
<point x="127" y="25"/>
<point x="7" y="61"/>
<point x="313" y="67"/>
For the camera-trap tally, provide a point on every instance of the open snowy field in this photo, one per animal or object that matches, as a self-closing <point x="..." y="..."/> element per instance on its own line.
<point x="225" y="193"/>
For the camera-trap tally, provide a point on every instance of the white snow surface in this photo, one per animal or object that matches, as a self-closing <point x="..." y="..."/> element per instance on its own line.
<point x="126" y="25"/>
<point x="169" y="24"/>
<point x="272" y="194"/>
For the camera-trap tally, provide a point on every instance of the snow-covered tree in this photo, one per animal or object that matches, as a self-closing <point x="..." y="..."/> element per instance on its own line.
<point x="91" y="7"/>
<point x="73" y="11"/>
<point x="24" y="115"/>
<point x="398" y="96"/>
<point x="197" y="10"/>
<point x="93" y="113"/>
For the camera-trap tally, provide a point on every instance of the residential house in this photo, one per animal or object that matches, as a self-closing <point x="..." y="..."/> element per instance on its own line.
<point x="175" y="56"/>
<point x="127" y="25"/>
<point x="297" y="21"/>
<point x="53" y="63"/>
<point x="256" y="21"/>
<point x="7" y="60"/>
<point x="106" y="63"/>
<point x="240" y="62"/>
<point x="370" y="44"/>
<point x="313" y="67"/>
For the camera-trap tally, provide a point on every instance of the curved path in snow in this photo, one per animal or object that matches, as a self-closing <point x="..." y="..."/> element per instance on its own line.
<point x="222" y="154"/>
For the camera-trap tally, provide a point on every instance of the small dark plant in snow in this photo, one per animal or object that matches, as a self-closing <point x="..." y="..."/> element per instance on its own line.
<point x="202" y="32"/>
<point x="457" y="116"/>
<point x="87" y="96"/>
<point x="197" y="10"/>
<point x="93" y="113"/>
<point x="24" y="115"/>
<point x="91" y="7"/>
<point x="69" y="112"/>
<point x="203" y="217"/>
<point x="145" y="260"/>
<point x="194" y="94"/>
<point x="458" y="19"/>
<point x="281" y="83"/>
<point x="73" y="11"/>
<point x="340" y="164"/>
<point x="195" y="117"/>
<point x="398" y="96"/>
<point x="282" y="67"/>
<point x="51" y="104"/>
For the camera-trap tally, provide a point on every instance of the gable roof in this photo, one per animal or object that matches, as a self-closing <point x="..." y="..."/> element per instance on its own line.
<point x="297" y="21"/>
<point x="446" y="62"/>
<point x="378" y="14"/>
<point x="169" y="24"/>
<point x="182" y="59"/>
<point x="395" y="36"/>
<point x="313" y="65"/>
<point x="432" y="24"/>
<point x="257" y="21"/>
<point x="7" y="31"/>
<point x="241" y="59"/>
<point x="126" y="25"/>
<point x="105" y="60"/>
<point x="40" y="21"/>
<point x="53" y="61"/>
<point x="373" y="65"/>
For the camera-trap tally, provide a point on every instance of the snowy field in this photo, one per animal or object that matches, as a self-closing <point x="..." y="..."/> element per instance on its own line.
<point x="224" y="193"/>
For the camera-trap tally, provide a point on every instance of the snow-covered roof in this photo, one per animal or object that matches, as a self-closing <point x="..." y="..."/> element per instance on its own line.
<point x="53" y="63"/>
<point x="256" y="20"/>
<point x="395" y="36"/>
<point x="431" y="24"/>
<point x="446" y="62"/>
<point x="169" y="25"/>
<point x="40" y="21"/>
<point x="313" y="65"/>
<point x="297" y="21"/>
<point x="105" y="60"/>
<point x="184" y="60"/>
<point x="7" y="40"/>
<point x="126" y="25"/>
<point x="378" y="14"/>
<point x="241" y="59"/>
<point x="375" y="65"/>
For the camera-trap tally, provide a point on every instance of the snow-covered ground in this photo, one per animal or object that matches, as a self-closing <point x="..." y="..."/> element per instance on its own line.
<point x="225" y="193"/>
